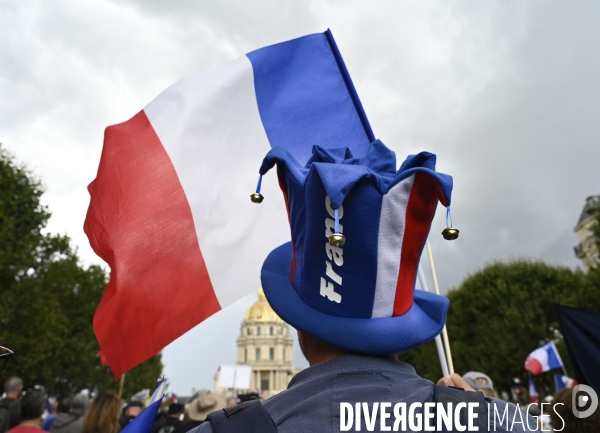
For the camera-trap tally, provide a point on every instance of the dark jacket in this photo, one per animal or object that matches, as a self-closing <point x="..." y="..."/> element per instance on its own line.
<point x="312" y="402"/>
<point x="71" y="422"/>
<point x="166" y="425"/>
<point x="10" y="413"/>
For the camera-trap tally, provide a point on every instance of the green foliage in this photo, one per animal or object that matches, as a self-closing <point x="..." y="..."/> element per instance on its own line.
<point x="48" y="300"/>
<point x="501" y="314"/>
<point x="21" y="218"/>
<point x="138" y="378"/>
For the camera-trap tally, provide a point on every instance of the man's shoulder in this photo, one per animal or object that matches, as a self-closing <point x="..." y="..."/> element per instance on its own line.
<point x="205" y="427"/>
<point x="312" y="400"/>
<point x="9" y="402"/>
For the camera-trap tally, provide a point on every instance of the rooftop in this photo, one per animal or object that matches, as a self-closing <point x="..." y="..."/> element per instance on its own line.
<point x="591" y="203"/>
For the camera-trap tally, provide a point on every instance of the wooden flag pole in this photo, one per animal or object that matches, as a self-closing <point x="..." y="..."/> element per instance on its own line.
<point x="437" y="291"/>
<point x="121" y="384"/>
<point x="438" y="339"/>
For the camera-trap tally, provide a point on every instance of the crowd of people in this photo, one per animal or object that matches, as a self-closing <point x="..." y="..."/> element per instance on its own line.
<point x="30" y="411"/>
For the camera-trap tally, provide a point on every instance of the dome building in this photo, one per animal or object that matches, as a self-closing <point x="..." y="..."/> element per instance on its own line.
<point x="265" y="344"/>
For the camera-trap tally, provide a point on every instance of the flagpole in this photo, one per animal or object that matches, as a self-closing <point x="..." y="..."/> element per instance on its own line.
<point x="562" y="364"/>
<point x="438" y="339"/>
<point x="121" y="384"/>
<point x="437" y="291"/>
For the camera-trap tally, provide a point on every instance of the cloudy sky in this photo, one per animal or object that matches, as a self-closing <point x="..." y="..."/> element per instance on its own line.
<point x="505" y="93"/>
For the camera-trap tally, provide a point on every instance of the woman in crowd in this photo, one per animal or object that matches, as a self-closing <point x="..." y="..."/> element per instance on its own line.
<point x="103" y="414"/>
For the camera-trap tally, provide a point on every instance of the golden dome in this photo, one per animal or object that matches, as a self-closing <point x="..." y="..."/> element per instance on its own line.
<point x="261" y="311"/>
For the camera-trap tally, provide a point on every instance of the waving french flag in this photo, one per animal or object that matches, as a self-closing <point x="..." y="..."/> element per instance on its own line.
<point x="170" y="209"/>
<point x="561" y="381"/>
<point x="544" y="359"/>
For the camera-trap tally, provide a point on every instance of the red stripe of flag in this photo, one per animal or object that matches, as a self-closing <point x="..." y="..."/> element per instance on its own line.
<point x="534" y="366"/>
<point x="140" y="222"/>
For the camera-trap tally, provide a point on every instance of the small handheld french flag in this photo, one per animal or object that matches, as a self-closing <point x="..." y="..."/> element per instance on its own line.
<point x="144" y="421"/>
<point x="544" y="359"/>
<point x="561" y="381"/>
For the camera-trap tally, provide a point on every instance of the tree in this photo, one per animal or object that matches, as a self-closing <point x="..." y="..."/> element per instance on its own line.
<point x="47" y="299"/>
<point x="502" y="313"/>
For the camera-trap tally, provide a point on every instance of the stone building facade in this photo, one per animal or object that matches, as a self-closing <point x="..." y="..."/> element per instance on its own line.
<point x="587" y="249"/>
<point x="265" y="344"/>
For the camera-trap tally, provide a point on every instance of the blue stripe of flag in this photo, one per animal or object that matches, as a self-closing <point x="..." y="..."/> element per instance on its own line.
<point x="553" y="357"/>
<point x="305" y="97"/>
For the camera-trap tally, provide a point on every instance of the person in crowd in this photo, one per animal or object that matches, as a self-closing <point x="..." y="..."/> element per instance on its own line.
<point x="171" y="421"/>
<point x="70" y="416"/>
<point x="33" y="404"/>
<point x="49" y="420"/>
<point x="534" y="410"/>
<point x="481" y="382"/>
<point x="562" y="415"/>
<point x="198" y="409"/>
<point x="545" y="410"/>
<point x="10" y="406"/>
<point x="102" y="416"/>
<point x="130" y="411"/>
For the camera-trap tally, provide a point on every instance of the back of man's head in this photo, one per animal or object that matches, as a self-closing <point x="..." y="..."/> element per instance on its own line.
<point x="175" y="409"/>
<point x="80" y="401"/>
<point x="13" y="386"/>
<point x="64" y="406"/>
<point x="133" y="408"/>
<point x="32" y="405"/>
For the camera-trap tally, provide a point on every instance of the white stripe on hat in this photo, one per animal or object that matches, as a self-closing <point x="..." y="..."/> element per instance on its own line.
<point x="389" y="249"/>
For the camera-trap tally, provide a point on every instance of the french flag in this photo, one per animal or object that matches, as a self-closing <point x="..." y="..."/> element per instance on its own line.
<point x="561" y="381"/>
<point x="145" y="420"/>
<point x="544" y="359"/>
<point x="170" y="210"/>
<point x="534" y="396"/>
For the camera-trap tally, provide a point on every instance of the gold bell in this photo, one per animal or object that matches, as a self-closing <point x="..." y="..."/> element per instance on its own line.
<point x="256" y="197"/>
<point x="337" y="239"/>
<point x="450" y="233"/>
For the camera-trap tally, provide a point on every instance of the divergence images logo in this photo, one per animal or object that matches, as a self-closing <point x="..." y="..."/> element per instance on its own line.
<point x="585" y="401"/>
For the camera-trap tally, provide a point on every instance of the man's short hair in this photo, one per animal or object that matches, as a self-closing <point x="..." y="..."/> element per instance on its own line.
<point x="80" y="401"/>
<point x="13" y="384"/>
<point x="64" y="406"/>
<point x="175" y="408"/>
<point x="32" y="405"/>
<point x="137" y="404"/>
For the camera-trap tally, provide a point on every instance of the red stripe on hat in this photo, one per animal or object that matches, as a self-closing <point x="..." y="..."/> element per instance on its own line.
<point x="419" y="213"/>
<point x="139" y="221"/>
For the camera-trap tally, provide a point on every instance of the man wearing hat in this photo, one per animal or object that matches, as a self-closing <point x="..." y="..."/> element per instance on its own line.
<point x="346" y="283"/>
<point x="197" y="410"/>
<point x="480" y="382"/>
